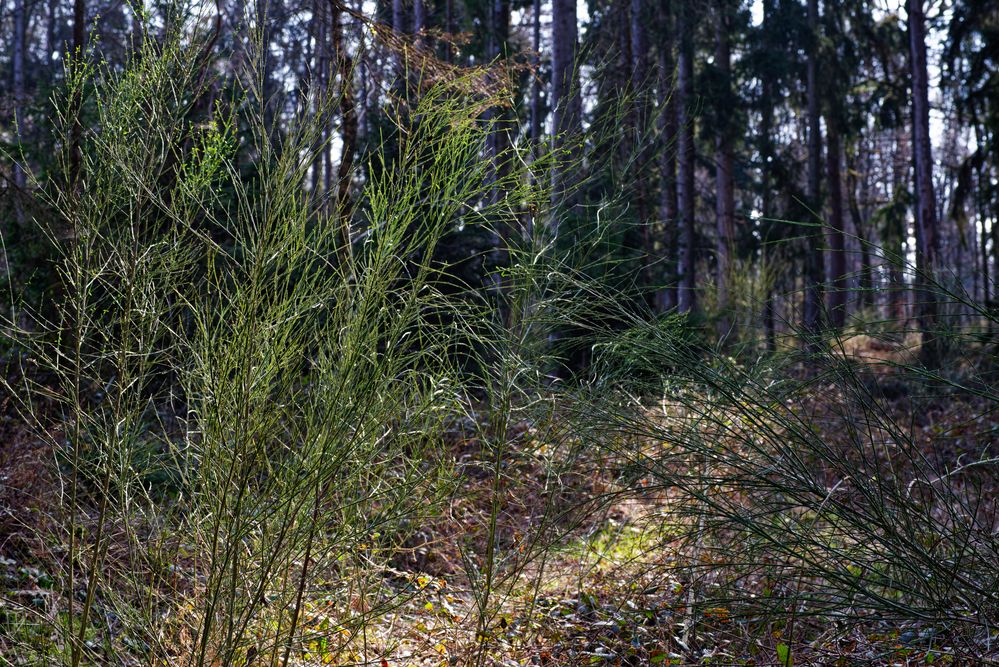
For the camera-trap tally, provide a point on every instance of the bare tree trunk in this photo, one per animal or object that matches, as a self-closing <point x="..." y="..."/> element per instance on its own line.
<point x="815" y="266"/>
<point x="667" y="298"/>
<point x="686" y="298"/>
<point x="320" y="72"/>
<point x="640" y="85"/>
<point x="895" y="238"/>
<point x="399" y="28"/>
<point x="837" y="246"/>
<point x="860" y="225"/>
<point x="365" y="114"/>
<point x="535" y="107"/>
<point x="618" y="78"/>
<point x="398" y="16"/>
<point x="499" y="138"/>
<point x="766" y="204"/>
<point x="20" y="19"/>
<point x="419" y="18"/>
<point x="566" y="109"/>
<point x="983" y="237"/>
<point x="927" y="240"/>
<point x="725" y="189"/>
<point x="536" y="78"/>
<point x="348" y="113"/>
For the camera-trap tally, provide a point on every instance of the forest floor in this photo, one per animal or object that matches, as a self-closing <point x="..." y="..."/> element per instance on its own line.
<point x="616" y="589"/>
<point x="619" y="591"/>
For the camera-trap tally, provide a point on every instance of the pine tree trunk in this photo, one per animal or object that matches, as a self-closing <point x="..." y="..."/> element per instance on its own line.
<point x="399" y="28"/>
<point x="499" y="138"/>
<point x="686" y="297"/>
<point x="348" y="114"/>
<point x="815" y="266"/>
<point x="419" y="18"/>
<point x="860" y="225"/>
<point x="667" y="298"/>
<point x="639" y="19"/>
<point x="320" y="171"/>
<point x="724" y="186"/>
<point x="566" y="109"/>
<point x="927" y="242"/>
<point x="837" y="246"/>
<point x="983" y="237"/>
<point x="20" y="19"/>
<point x="536" y="78"/>
<point x="766" y="199"/>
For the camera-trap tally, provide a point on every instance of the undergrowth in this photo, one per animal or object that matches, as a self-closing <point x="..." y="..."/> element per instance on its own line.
<point x="276" y="427"/>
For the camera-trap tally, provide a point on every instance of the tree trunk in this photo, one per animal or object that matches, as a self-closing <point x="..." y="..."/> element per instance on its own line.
<point x="20" y="19"/>
<point x="983" y="237"/>
<point x="318" y="85"/>
<point x="837" y="245"/>
<point x="419" y="18"/>
<point x="536" y="117"/>
<point x="766" y="198"/>
<point x="725" y="192"/>
<point x="815" y="266"/>
<point x="364" y="108"/>
<point x="348" y="114"/>
<point x="667" y="298"/>
<point x="894" y="237"/>
<point x="499" y="138"/>
<point x="566" y="110"/>
<point x="927" y="243"/>
<point x="398" y="16"/>
<point x="686" y="297"/>
<point x="639" y="19"/>
<point x="399" y="28"/>
<point x="860" y="227"/>
<point x="535" y="108"/>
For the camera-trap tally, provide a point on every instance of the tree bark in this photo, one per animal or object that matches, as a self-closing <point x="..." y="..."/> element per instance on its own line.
<point x="724" y="186"/>
<point x="536" y="117"/>
<point x="348" y="114"/>
<point x="639" y="19"/>
<point x="815" y="266"/>
<point x="320" y="72"/>
<point x="566" y="110"/>
<point x="535" y="106"/>
<point x="419" y="18"/>
<point x="399" y="28"/>
<point x="927" y="242"/>
<point x="499" y="137"/>
<point x="398" y="16"/>
<point x="766" y="198"/>
<point x="20" y="19"/>
<point x="860" y="225"/>
<point x="983" y="238"/>
<point x="836" y="297"/>
<point x="686" y="297"/>
<point x="667" y="298"/>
